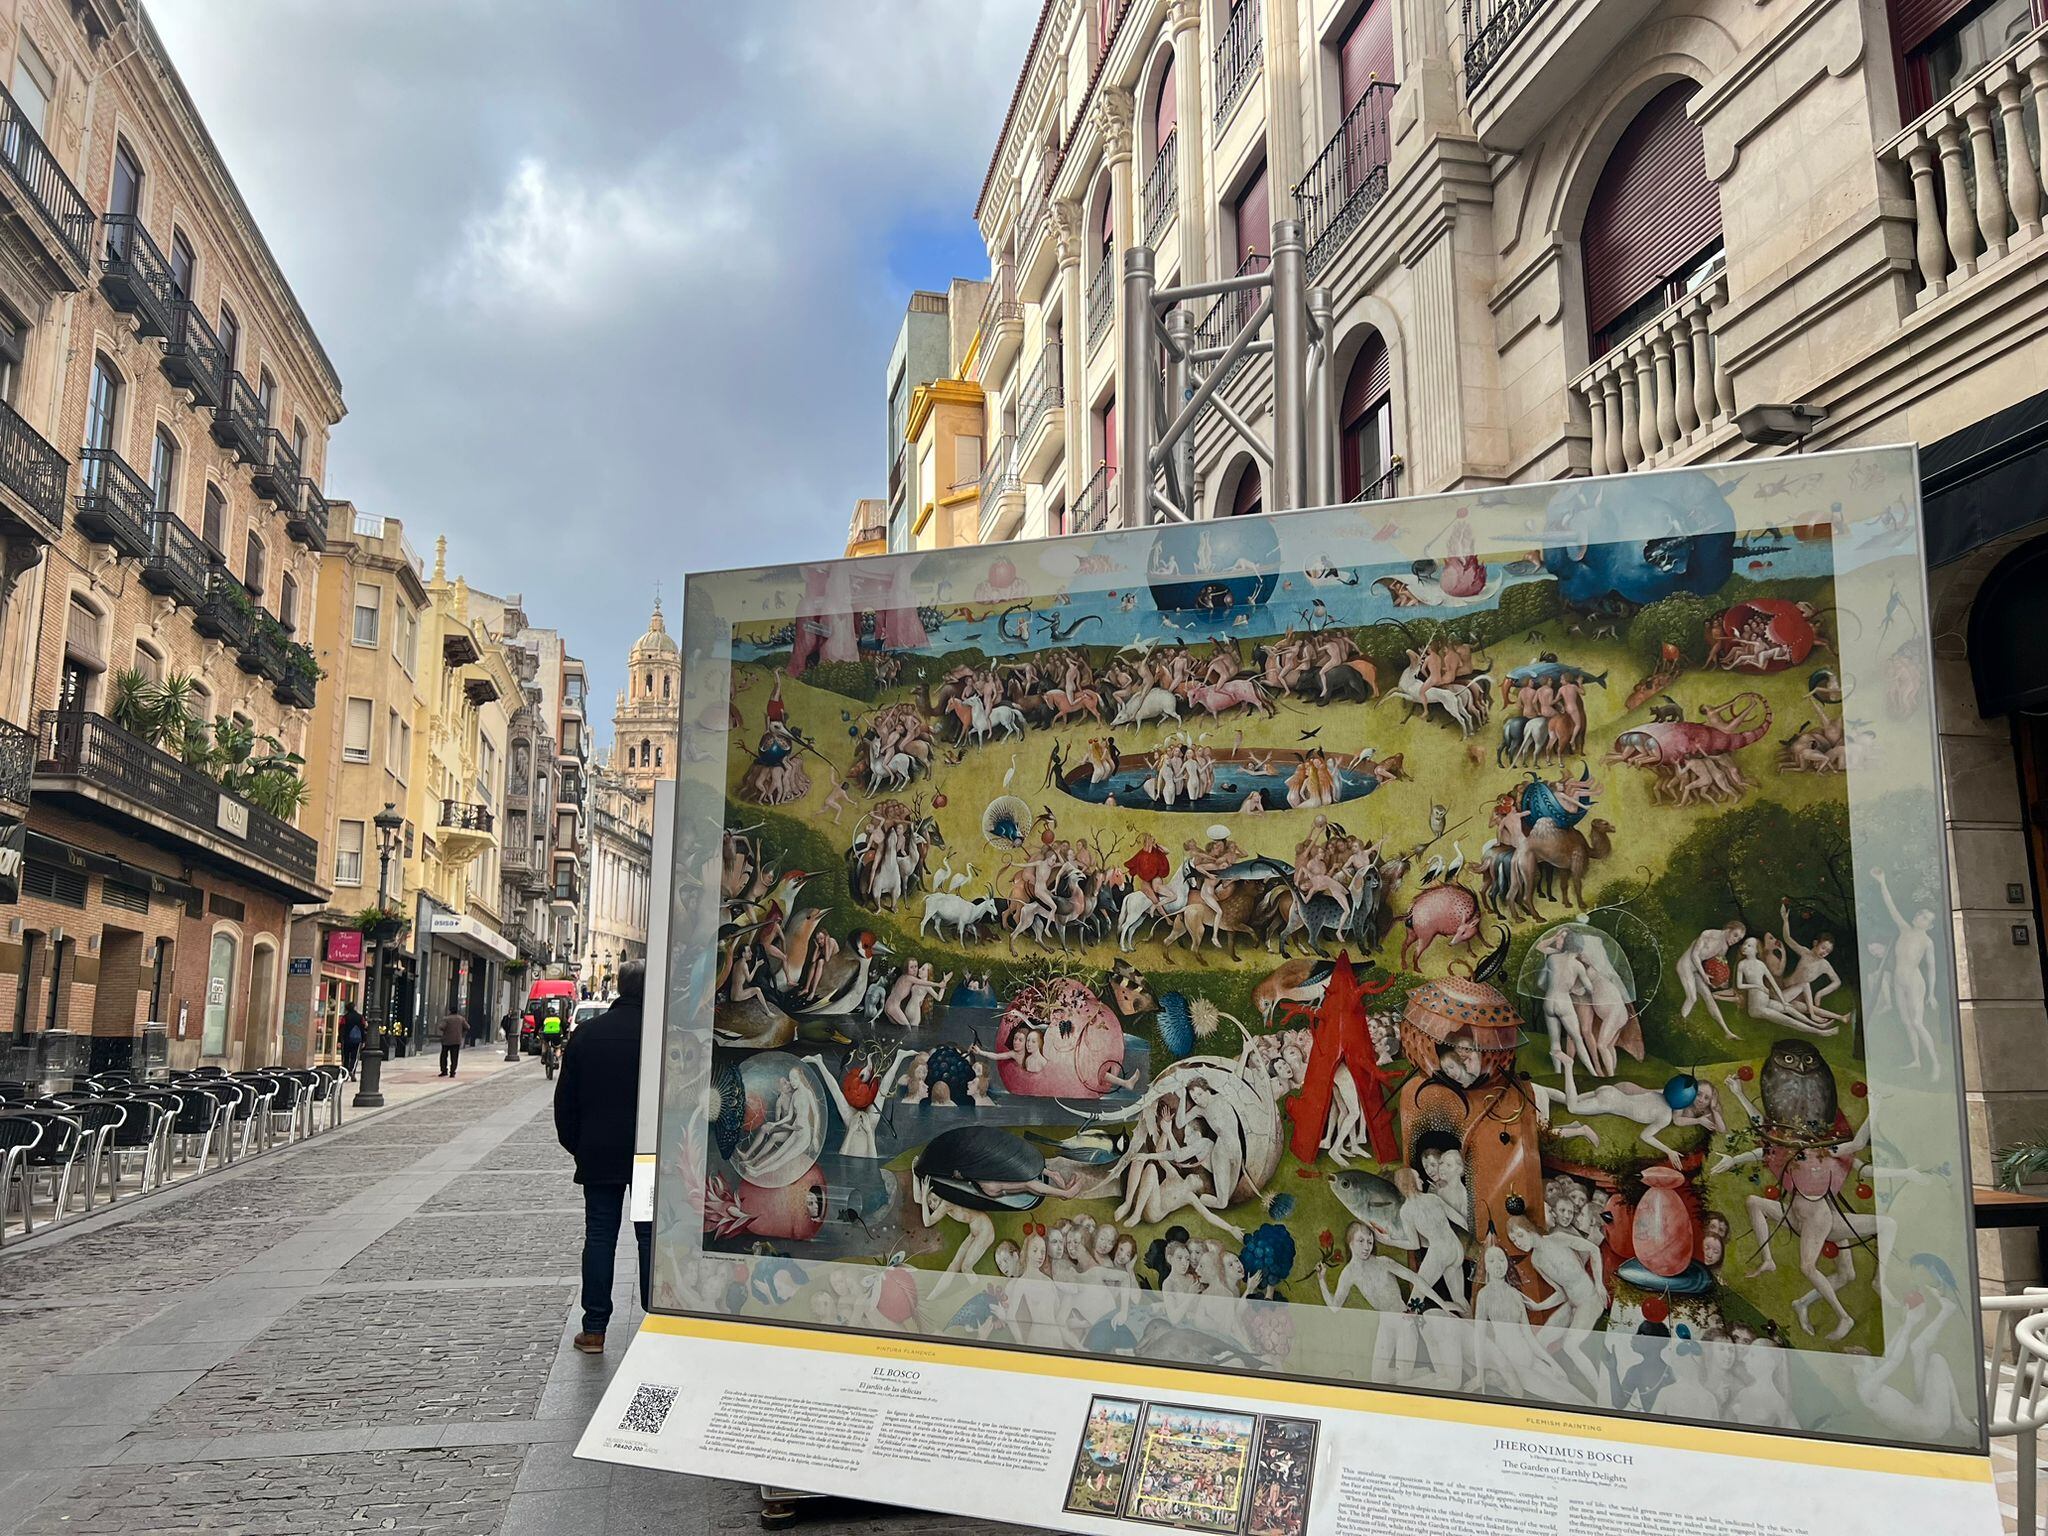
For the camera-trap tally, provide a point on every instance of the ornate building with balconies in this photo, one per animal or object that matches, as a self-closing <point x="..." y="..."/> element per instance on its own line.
<point x="1560" y="237"/>
<point x="164" y="411"/>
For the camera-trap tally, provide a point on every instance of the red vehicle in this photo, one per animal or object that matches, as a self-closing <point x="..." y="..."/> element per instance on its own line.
<point x="546" y="997"/>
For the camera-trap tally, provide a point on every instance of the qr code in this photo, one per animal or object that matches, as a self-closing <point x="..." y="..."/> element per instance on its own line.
<point x="649" y="1409"/>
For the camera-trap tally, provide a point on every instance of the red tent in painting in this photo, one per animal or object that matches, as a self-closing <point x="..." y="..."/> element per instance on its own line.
<point x="1342" y="1039"/>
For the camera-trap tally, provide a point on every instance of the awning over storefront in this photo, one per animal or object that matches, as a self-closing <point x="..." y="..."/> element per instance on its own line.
<point x="49" y="850"/>
<point x="1986" y="481"/>
<point x="468" y="933"/>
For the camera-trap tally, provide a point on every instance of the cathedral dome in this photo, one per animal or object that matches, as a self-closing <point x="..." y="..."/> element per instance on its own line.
<point x="657" y="641"/>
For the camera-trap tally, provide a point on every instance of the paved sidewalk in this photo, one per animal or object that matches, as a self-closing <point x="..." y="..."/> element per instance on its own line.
<point x="366" y="1332"/>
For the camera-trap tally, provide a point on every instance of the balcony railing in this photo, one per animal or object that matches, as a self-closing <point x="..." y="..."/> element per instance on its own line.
<point x="115" y="504"/>
<point x="1385" y="488"/>
<point x="17" y="764"/>
<point x="276" y="475"/>
<point x="1348" y="179"/>
<point x="462" y="816"/>
<point x="1162" y="189"/>
<point x="134" y="275"/>
<point x="1000" y="308"/>
<point x="240" y="421"/>
<point x="1238" y="57"/>
<point x="193" y="356"/>
<point x="1044" y="392"/>
<point x="308" y="521"/>
<point x="1663" y="389"/>
<point x="999" y="474"/>
<point x="36" y="174"/>
<point x="1229" y="313"/>
<point x="1491" y="27"/>
<point x="301" y="681"/>
<point x="262" y="650"/>
<point x="35" y="477"/>
<point x="225" y="613"/>
<point x="1095" y="507"/>
<point x="1976" y="170"/>
<point x="102" y="756"/>
<point x="179" y="564"/>
<point x="1101" y="299"/>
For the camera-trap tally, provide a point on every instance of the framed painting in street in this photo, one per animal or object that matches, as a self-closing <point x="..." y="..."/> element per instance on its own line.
<point x="1485" y="946"/>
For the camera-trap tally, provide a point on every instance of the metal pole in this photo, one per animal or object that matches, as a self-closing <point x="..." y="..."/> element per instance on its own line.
<point x="1135" y="426"/>
<point x="1191" y="412"/>
<point x="370" y="1091"/>
<point x="1180" y="464"/>
<point x="1290" y="365"/>
<point x="1322" y="418"/>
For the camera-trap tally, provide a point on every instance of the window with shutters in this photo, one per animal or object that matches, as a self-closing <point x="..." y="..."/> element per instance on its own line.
<point x="266" y="396"/>
<point x="1365" y="424"/>
<point x="253" y="566"/>
<point x="288" y="601"/>
<point x="13" y="352"/>
<point x="163" y="473"/>
<point x="1940" y="44"/>
<point x="1653" y="224"/>
<point x="1365" y="53"/>
<point x="129" y="898"/>
<point x="355" y="734"/>
<point x="369" y="608"/>
<point x="184" y="264"/>
<point x="348" y="853"/>
<point x="230" y="336"/>
<point x="85" y="656"/>
<point x="35" y="84"/>
<point x="103" y="405"/>
<point x="1251" y="220"/>
<point x="149" y="661"/>
<point x="214" y="527"/>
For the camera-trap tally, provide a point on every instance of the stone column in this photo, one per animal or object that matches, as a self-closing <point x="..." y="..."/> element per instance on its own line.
<point x="1066" y="224"/>
<point x="1188" y="73"/>
<point x="1285" y="160"/>
<point x="1113" y="114"/>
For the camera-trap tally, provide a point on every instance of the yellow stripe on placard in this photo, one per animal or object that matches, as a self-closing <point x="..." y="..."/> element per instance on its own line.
<point x="1950" y="1465"/>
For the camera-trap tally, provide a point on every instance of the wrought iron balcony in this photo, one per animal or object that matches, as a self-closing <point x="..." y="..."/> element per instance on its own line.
<point x="1162" y="188"/>
<point x="115" y="504"/>
<point x="308" y="521"/>
<point x="1045" y="391"/>
<point x="999" y="474"/>
<point x="261" y="652"/>
<point x="33" y="479"/>
<point x="1095" y="508"/>
<point x="60" y="208"/>
<point x="193" y="356"/>
<point x="1101" y="299"/>
<point x="91" y="758"/>
<point x="1385" y="488"/>
<point x="239" y="422"/>
<point x="464" y="817"/>
<point x="178" y="565"/>
<point x="1229" y="313"/>
<point x="135" y="275"/>
<point x="17" y="764"/>
<point x="1348" y="179"/>
<point x="276" y="475"/>
<point x="298" y="687"/>
<point x="1000" y="308"/>
<point x="1238" y="57"/>
<point x="225" y="613"/>
<point x="1491" y="27"/>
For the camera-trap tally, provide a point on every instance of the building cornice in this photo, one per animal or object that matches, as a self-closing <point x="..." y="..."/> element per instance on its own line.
<point x="926" y="397"/>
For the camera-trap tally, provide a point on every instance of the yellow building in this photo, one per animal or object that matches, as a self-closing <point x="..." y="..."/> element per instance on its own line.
<point x="359" y="748"/>
<point x="456" y="794"/>
<point x="944" y="437"/>
<point x="868" y="532"/>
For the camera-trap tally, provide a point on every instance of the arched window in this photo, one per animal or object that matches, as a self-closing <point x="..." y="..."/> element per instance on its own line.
<point x="1105" y="224"/>
<point x="645" y="747"/>
<point x="1250" y="498"/>
<point x="1365" y="424"/>
<point x="657" y="757"/>
<point x="649" y="688"/>
<point x="253" y="566"/>
<point x="85" y="656"/>
<point x="1165" y="107"/>
<point x="630" y="763"/>
<point x="163" y="472"/>
<point x="665" y="681"/>
<point x="266" y="395"/>
<point x="288" y="601"/>
<point x="1653" y="224"/>
<point x="230" y="336"/>
<point x="103" y="408"/>
<point x="215" y="527"/>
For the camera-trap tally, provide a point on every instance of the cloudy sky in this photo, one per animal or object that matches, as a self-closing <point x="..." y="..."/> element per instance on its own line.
<point x="610" y="285"/>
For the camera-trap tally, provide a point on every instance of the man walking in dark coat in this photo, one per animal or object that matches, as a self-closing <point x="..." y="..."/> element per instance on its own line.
<point x="597" y="1101"/>
<point x="452" y="1026"/>
<point x="353" y="1033"/>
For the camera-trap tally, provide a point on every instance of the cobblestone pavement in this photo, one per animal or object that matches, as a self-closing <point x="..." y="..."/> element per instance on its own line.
<point x="366" y="1332"/>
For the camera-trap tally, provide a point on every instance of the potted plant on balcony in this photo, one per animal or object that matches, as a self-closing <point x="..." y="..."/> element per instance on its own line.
<point x="302" y="675"/>
<point x="381" y="925"/>
<point x="516" y="967"/>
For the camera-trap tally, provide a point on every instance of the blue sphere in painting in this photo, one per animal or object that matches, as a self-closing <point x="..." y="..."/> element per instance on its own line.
<point x="1693" y="551"/>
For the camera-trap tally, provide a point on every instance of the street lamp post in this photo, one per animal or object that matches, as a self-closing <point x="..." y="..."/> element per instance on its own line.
<point x="370" y="1094"/>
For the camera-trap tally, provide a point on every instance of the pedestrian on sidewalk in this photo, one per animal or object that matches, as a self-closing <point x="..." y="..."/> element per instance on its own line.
<point x="353" y="1033"/>
<point x="597" y="1104"/>
<point x="452" y="1026"/>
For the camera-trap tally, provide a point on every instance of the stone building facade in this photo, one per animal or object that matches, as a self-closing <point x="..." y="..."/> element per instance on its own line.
<point x="166" y="411"/>
<point x="1578" y="236"/>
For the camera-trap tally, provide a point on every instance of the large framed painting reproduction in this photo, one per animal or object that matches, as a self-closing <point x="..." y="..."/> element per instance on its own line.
<point x="1486" y="949"/>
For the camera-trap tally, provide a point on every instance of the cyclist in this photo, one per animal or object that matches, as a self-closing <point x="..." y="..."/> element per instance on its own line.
<point x="551" y="1038"/>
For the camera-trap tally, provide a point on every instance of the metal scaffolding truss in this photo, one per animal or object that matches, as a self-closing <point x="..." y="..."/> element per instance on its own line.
<point x="1175" y="376"/>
